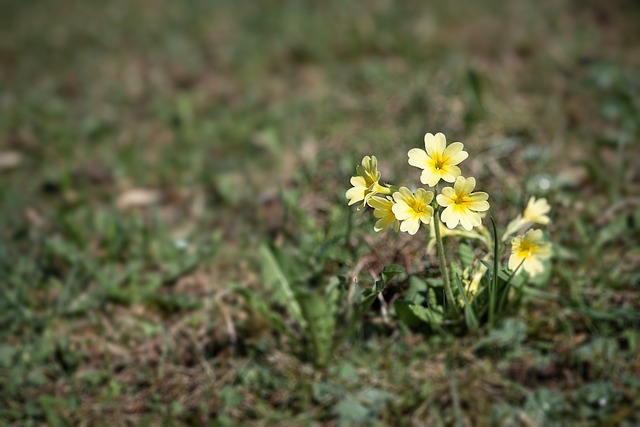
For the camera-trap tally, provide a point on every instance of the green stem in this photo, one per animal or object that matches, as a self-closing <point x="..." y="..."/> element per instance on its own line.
<point x="444" y="270"/>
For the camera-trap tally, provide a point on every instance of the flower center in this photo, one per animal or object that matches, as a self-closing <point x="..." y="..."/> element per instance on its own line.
<point x="525" y="249"/>
<point x="459" y="200"/>
<point x="417" y="206"/>
<point x="438" y="165"/>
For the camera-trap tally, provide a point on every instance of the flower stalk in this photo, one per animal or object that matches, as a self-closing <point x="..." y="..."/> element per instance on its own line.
<point x="444" y="270"/>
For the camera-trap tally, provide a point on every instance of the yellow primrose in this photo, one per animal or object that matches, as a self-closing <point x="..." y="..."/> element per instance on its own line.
<point x="536" y="211"/>
<point x="529" y="250"/>
<point x="461" y="205"/>
<point x="366" y="184"/>
<point x="438" y="161"/>
<point x="382" y="210"/>
<point x="412" y="208"/>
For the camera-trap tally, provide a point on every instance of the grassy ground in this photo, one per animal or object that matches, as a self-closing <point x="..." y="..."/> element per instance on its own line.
<point x="159" y="157"/>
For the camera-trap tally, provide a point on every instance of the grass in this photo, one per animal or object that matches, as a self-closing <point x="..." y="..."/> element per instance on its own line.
<point x="148" y="150"/>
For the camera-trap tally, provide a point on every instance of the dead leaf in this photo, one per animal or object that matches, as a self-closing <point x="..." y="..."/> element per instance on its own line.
<point x="10" y="159"/>
<point x="137" y="198"/>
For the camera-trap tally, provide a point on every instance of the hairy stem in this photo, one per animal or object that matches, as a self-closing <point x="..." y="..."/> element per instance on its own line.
<point x="444" y="270"/>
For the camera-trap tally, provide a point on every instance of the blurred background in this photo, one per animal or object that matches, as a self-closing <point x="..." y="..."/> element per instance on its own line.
<point x="149" y="148"/>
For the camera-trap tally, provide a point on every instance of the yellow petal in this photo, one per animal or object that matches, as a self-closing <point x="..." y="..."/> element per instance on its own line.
<point x="383" y="223"/>
<point x="424" y="196"/>
<point x="453" y="154"/>
<point x="430" y="177"/>
<point x="402" y="211"/>
<point x="358" y="181"/>
<point x="431" y="145"/>
<point x="533" y="266"/>
<point x="403" y="195"/>
<point x="458" y="158"/>
<point x="418" y="158"/>
<point x="426" y="216"/>
<point x="441" y="143"/>
<point x="514" y="261"/>
<point x="380" y="203"/>
<point x="477" y="196"/>
<point x="410" y="225"/>
<point x="466" y="219"/>
<point x="444" y="199"/>
<point x="543" y="250"/>
<point x="450" y="217"/>
<point x="533" y="236"/>
<point x="355" y="194"/>
<point x="477" y="201"/>
<point x="464" y="186"/>
<point x="449" y="173"/>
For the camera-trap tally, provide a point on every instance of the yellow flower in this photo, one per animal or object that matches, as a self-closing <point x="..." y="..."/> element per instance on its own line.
<point x="529" y="250"/>
<point x="461" y="205"/>
<point x="536" y="211"/>
<point x="438" y="161"/>
<point x="382" y="210"/>
<point x="412" y="209"/>
<point x="365" y="184"/>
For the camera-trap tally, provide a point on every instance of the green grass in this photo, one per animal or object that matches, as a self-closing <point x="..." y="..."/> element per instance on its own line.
<point x="244" y="124"/>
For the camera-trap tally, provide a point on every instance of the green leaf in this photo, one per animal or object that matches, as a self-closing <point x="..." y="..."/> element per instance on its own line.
<point x="350" y="411"/>
<point x="509" y="334"/>
<point x="417" y="287"/>
<point x="391" y="271"/>
<point x="503" y="274"/>
<point x="258" y="304"/>
<point x="466" y="255"/>
<point x="427" y="314"/>
<point x="406" y="314"/>
<point x="231" y="398"/>
<point x="378" y="286"/>
<point x="271" y="263"/>
<point x="325" y="393"/>
<point x="412" y="314"/>
<point x="52" y="408"/>
<point x="376" y="399"/>
<point x="320" y="319"/>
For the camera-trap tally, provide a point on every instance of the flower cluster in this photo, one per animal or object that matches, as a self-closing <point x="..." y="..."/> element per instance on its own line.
<point x="457" y="208"/>
<point x="405" y="210"/>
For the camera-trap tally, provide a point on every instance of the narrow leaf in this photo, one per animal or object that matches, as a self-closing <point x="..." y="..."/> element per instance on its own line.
<point x="292" y="304"/>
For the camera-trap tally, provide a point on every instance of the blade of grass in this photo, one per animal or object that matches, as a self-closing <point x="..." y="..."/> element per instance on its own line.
<point x="494" y="278"/>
